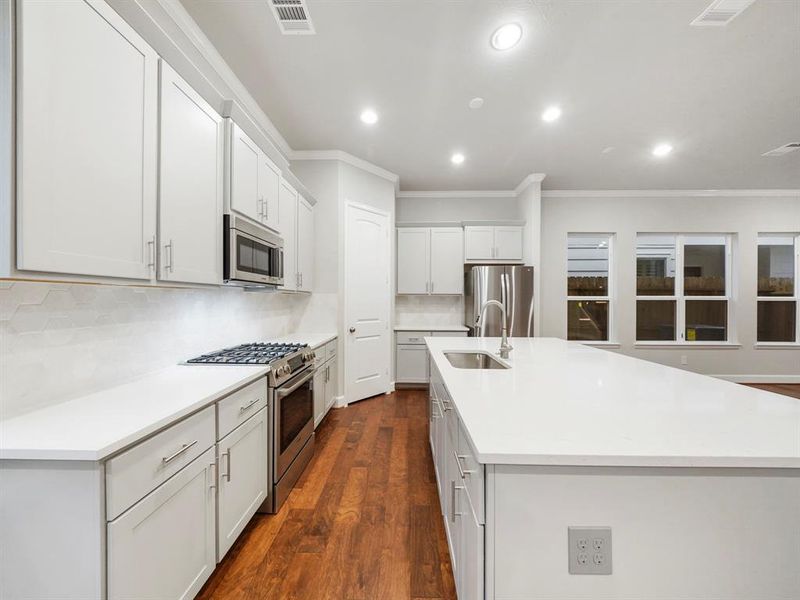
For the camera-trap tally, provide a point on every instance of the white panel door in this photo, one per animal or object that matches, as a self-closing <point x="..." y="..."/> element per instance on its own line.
<point x="163" y="548"/>
<point x="320" y="394"/>
<point x="192" y="147"/>
<point x="245" y="161"/>
<point x="478" y="243"/>
<point x="411" y="364"/>
<point x="413" y="260"/>
<point x="508" y="243"/>
<point x="367" y="302"/>
<point x="288" y="220"/>
<point x="269" y="188"/>
<point x="87" y="159"/>
<point x="447" y="260"/>
<point x="243" y="459"/>
<point x="305" y="245"/>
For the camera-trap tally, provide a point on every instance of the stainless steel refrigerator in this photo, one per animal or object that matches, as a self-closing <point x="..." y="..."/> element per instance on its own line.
<point x="510" y="285"/>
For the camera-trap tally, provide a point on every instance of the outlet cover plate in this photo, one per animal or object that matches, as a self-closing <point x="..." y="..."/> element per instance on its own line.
<point x="589" y="550"/>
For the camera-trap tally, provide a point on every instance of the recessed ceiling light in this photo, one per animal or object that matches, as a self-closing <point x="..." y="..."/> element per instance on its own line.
<point x="506" y="36"/>
<point x="476" y="103"/>
<point x="551" y="114"/>
<point x="662" y="149"/>
<point x="457" y="158"/>
<point x="369" y="116"/>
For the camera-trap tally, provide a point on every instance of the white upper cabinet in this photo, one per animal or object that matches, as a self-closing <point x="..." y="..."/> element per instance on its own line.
<point x="88" y="99"/>
<point x="244" y="171"/>
<point x="288" y="220"/>
<point x="269" y="188"/>
<point x="430" y="260"/>
<point x="305" y="245"/>
<point x="191" y="184"/>
<point x="413" y="260"/>
<point x="488" y="243"/>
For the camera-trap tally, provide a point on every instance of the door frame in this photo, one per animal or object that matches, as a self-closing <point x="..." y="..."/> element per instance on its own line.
<point x="345" y="399"/>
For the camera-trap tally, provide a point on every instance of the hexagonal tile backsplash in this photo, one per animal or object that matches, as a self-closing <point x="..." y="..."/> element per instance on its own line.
<point x="62" y="340"/>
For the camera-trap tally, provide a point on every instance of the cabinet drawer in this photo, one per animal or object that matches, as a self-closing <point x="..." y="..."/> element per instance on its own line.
<point x="136" y="472"/>
<point x="450" y="415"/>
<point x="473" y="473"/>
<point x="235" y="409"/>
<point x="330" y="349"/>
<point x="412" y="337"/>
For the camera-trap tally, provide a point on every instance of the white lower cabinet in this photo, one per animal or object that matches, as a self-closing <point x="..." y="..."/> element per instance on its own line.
<point x="243" y="458"/>
<point x="319" y="393"/>
<point x="163" y="547"/>
<point x="326" y="382"/>
<point x="411" y="355"/>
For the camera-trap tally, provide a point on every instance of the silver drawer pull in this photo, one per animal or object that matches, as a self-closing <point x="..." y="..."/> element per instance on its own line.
<point x="249" y="405"/>
<point x="227" y="473"/>
<point x="183" y="449"/>
<point x="459" y="458"/>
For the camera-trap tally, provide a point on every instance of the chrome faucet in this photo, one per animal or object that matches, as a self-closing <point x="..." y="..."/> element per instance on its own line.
<point x="505" y="347"/>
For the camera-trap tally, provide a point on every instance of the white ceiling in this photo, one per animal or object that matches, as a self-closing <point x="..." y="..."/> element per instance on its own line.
<point x="627" y="74"/>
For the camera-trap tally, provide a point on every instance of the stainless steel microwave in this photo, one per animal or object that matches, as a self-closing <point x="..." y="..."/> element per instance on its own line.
<point x="252" y="255"/>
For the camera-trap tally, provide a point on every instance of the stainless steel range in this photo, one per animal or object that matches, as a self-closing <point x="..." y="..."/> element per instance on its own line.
<point x="291" y="418"/>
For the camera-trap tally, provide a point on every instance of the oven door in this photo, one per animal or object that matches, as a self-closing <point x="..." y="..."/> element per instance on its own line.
<point x="294" y="419"/>
<point x="252" y="254"/>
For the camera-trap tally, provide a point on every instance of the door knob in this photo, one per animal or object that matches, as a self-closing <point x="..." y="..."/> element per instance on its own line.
<point x="352" y="330"/>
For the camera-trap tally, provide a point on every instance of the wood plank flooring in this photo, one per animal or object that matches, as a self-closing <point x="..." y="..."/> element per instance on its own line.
<point x="363" y="522"/>
<point x="787" y="389"/>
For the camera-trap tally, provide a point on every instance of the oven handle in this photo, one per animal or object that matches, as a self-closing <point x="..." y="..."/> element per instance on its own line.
<point x="281" y="392"/>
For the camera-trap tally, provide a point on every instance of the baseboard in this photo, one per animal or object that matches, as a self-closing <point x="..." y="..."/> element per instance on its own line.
<point x="339" y="402"/>
<point x="760" y="378"/>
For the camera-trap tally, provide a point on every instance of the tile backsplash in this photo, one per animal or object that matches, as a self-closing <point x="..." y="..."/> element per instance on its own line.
<point x="428" y="310"/>
<point x="62" y="340"/>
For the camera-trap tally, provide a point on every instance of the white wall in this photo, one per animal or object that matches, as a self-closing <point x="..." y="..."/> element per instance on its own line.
<point x="625" y="216"/>
<point x="429" y="310"/>
<point x="432" y="209"/>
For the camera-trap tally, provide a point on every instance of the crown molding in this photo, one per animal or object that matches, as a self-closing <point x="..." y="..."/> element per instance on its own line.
<point x="348" y="158"/>
<point x="772" y="193"/>
<point x="530" y="179"/>
<point x="457" y="194"/>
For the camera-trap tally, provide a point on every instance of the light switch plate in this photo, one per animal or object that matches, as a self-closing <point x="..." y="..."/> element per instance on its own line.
<point x="589" y="550"/>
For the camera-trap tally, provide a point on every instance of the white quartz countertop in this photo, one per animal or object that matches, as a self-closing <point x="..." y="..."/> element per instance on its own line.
<point x="95" y="426"/>
<point x="563" y="403"/>
<point x="431" y="328"/>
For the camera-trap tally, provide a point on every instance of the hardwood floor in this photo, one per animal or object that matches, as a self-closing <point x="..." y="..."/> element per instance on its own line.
<point x="787" y="389"/>
<point x="363" y="522"/>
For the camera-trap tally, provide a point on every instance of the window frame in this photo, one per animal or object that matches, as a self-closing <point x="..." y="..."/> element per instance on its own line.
<point x="793" y="298"/>
<point x="680" y="298"/>
<point x="609" y="298"/>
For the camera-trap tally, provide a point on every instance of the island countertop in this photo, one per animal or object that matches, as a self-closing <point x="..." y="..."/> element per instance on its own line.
<point x="563" y="403"/>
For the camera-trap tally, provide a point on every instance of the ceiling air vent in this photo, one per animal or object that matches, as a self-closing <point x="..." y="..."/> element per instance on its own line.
<point x="292" y="17"/>
<point x="785" y="149"/>
<point x="721" y="12"/>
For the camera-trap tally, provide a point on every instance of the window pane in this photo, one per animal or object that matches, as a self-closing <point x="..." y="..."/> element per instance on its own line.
<point x="587" y="265"/>
<point x="587" y="320"/>
<point x="776" y="321"/>
<point x="775" y="265"/>
<point x="704" y="267"/>
<point x="706" y="320"/>
<point x="655" y="265"/>
<point x="655" y="320"/>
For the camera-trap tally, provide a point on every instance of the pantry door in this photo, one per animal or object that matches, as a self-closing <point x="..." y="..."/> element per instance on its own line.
<point x="367" y="302"/>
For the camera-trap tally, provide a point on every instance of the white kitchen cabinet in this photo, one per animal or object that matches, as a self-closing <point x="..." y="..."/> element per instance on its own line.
<point x="242" y="482"/>
<point x="87" y="132"/>
<point x="192" y="143"/>
<point x="430" y="260"/>
<point x="164" y="546"/>
<point x="305" y="245"/>
<point x="489" y="243"/>
<point x="471" y="567"/>
<point x="320" y="376"/>
<point x="269" y="189"/>
<point x="332" y="384"/>
<point x="412" y="364"/>
<point x="288" y="220"/>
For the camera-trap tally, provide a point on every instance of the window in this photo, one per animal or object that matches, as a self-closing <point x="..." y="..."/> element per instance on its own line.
<point x="588" y="287"/>
<point x="682" y="287"/>
<point x="777" y="319"/>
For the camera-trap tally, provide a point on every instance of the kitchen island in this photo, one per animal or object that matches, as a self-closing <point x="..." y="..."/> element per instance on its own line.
<point x="697" y="479"/>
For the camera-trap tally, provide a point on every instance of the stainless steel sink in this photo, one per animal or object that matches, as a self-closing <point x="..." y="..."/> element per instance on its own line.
<point x="474" y="360"/>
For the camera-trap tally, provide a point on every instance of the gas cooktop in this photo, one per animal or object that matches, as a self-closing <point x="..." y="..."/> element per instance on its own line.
<point x="257" y="353"/>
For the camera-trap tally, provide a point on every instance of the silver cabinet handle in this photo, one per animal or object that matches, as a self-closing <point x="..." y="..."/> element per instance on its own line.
<point x="213" y="467"/>
<point x="458" y="462"/>
<point x="151" y="253"/>
<point x="453" y="489"/>
<point x="427" y="287"/>
<point x="431" y="287"/>
<point x="171" y="457"/>
<point x="168" y="251"/>
<point x="227" y="473"/>
<point x="446" y="406"/>
<point x="266" y="209"/>
<point x="260" y="205"/>
<point x="467" y="472"/>
<point x="282" y="392"/>
<point x="249" y="405"/>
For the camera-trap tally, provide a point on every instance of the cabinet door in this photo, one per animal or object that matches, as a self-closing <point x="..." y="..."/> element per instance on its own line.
<point x="412" y="364"/>
<point x="243" y="459"/>
<point x="454" y="512"/>
<point x="163" y="547"/>
<point x="332" y="386"/>
<point x="319" y="394"/>
<point x="508" y="243"/>
<point x="245" y="159"/>
<point x="447" y="260"/>
<point x="190" y="202"/>
<point x="478" y="243"/>
<point x="288" y="220"/>
<point x="413" y="260"/>
<point x="269" y="189"/>
<point x="305" y="245"/>
<point x="471" y="559"/>
<point x="87" y="161"/>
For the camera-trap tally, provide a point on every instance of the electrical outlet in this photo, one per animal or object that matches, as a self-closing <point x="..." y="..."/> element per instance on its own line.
<point x="684" y="359"/>
<point x="589" y="550"/>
